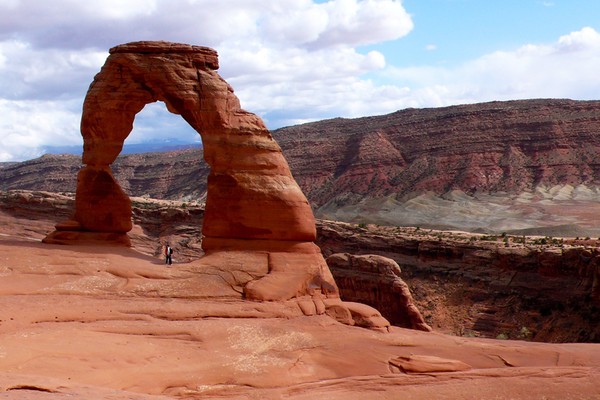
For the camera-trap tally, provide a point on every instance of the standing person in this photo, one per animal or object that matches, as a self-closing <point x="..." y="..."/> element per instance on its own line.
<point x="168" y="254"/>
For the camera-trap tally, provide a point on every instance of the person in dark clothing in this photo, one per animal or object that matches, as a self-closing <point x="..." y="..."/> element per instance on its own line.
<point x="168" y="254"/>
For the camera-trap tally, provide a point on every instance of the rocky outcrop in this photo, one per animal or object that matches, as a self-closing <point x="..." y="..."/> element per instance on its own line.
<point x="535" y="288"/>
<point x="99" y="323"/>
<point x="375" y="280"/>
<point x="257" y="224"/>
<point x="171" y="175"/>
<point x="491" y="167"/>
<point x="51" y="172"/>
<point x="247" y="166"/>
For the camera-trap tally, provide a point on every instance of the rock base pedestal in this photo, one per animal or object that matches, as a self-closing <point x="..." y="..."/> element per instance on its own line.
<point x="70" y="233"/>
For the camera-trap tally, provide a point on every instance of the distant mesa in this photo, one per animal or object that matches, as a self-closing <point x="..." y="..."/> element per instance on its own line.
<point x="253" y="203"/>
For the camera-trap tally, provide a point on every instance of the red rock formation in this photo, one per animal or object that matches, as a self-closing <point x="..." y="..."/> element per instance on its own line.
<point x="95" y="323"/>
<point x="489" y="147"/>
<point x="375" y="280"/>
<point x="165" y="175"/>
<point x="498" y="146"/>
<point x="253" y="204"/>
<point x="461" y="286"/>
<point x="376" y="168"/>
<point x="247" y="167"/>
<point x="476" y="284"/>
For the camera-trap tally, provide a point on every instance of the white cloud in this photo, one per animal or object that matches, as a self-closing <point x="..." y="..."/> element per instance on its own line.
<point x="581" y="41"/>
<point x="115" y="9"/>
<point x="50" y="52"/>
<point x="155" y="124"/>
<point x="33" y="73"/>
<point x="103" y="24"/>
<point x="564" y="69"/>
<point x="288" y="60"/>
<point x="28" y="126"/>
<point x="358" y="23"/>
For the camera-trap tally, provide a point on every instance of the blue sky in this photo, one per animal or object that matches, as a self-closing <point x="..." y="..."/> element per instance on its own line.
<point x="466" y="29"/>
<point x="294" y="61"/>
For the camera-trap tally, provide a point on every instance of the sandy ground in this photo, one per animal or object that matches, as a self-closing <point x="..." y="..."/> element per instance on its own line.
<point x="113" y="323"/>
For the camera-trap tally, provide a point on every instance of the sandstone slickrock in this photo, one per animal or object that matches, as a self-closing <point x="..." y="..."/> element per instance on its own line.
<point x="375" y="280"/>
<point x="253" y="204"/>
<point x="90" y="322"/>
<point x="461" y="286"/>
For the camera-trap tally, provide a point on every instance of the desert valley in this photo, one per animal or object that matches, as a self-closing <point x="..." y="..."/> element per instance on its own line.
<point x="454" y="253"/>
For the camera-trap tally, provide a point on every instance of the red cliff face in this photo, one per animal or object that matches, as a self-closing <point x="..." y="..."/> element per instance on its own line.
<point x="543" y="290"/>
<point x="491" y="147"/>
<point x="375" y="280"/>
<point x="173" y="175"/>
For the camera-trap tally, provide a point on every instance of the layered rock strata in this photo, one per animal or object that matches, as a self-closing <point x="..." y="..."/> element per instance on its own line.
<point x="493" y="167"/>
<point x="490" y="166"/>
<point x="499" y="146"/>
<point x="542" y="289"/>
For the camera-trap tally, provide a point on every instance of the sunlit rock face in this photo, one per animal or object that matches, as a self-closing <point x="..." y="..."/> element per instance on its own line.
<point x="253" y="207"/>
<point x="251" y="193"/>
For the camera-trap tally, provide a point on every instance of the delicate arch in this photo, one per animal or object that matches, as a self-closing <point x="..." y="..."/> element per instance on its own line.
<point x="251" y="193"/>
<point x="253" y="202"/>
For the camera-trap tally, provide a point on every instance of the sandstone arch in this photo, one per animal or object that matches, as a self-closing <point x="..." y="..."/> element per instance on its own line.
<point x="253" y="202"/>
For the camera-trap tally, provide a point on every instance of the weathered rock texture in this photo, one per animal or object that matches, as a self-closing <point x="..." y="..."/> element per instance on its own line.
<point x="487" y="147"/>
<point x="375" y="280"/>
<point x="253" y="203"/>
<point x="247" y="166"/>
<point x="483" y="285"/>
<point x="494" y="166"/>
<point x="171" y="175"/>
<point x="99" y="323"/>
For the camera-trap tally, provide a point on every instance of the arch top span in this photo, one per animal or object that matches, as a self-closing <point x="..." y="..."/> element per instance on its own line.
<point x="253" y="203"/>
<point x="208" y="55"/>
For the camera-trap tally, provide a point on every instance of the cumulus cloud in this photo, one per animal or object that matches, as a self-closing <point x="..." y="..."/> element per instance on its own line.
<point x="290" y="61"/>
<point x="50" y="51"/>
<point x="27" y="126"/>
<point x="33" y="73"/>
<point x="566" y="68"/>
<point x="104" y="23"/>
<point x="563" y="69"/>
